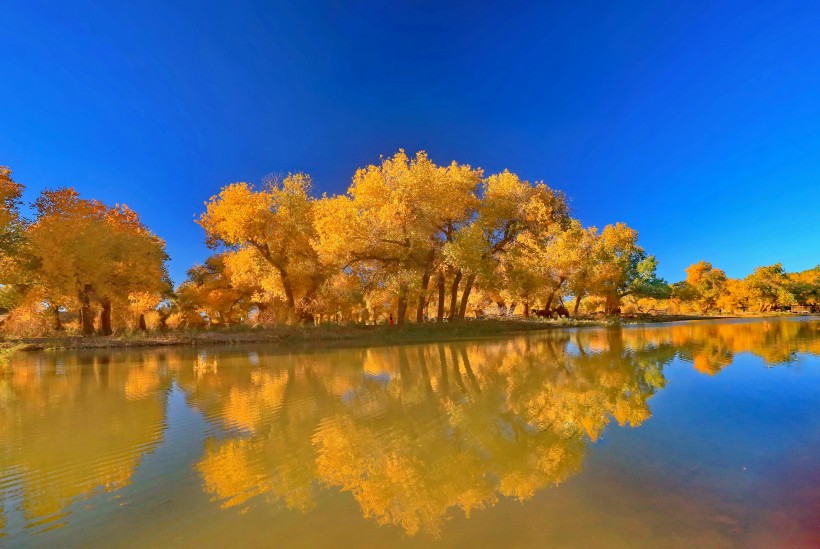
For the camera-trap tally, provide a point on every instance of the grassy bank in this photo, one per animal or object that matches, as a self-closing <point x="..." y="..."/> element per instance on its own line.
<point x="326" y="334"/>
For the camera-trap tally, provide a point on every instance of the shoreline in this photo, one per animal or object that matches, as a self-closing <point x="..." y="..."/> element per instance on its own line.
<point x="340" y="334"/>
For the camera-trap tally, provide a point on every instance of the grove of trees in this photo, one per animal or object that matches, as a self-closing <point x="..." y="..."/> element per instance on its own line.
<point x="410" y="240"/>
<point x="768" y="288"/>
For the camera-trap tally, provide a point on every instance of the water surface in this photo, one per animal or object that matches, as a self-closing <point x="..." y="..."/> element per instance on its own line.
<point x="681" y="435"/>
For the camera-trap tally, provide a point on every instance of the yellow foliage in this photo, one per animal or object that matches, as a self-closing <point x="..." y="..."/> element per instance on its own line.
<point x="273" y="230"/>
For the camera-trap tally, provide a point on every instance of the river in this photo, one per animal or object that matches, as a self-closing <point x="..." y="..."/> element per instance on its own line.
<point x="691" y="434"/>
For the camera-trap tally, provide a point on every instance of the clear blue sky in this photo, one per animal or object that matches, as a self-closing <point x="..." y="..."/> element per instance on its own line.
<point x="698" y="123"/>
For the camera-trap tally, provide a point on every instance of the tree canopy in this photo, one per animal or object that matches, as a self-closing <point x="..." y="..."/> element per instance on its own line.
<point x="81" y="255"/>
<point x="409" y="240"/>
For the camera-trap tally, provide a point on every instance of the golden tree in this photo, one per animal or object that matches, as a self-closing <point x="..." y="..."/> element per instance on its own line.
<point x="275" y="223"/>
<point x="805" y="286"/>
<point x="11" y="225"/>
<point x="87" y="252"/>
<point x="211" y="290"/>
<point x="14" y="262"/>
<point x="707" y="283"/>
<point x="394" y="221"/>
<point x="510" y="209"/>
<point x="770" y="287"/>
<point x="736" y="295"/>
<point x="547" y="264"/>
<point x="623" y="268"/>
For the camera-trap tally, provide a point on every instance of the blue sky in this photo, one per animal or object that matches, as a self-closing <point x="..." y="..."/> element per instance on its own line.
<point x="698" y="123"/>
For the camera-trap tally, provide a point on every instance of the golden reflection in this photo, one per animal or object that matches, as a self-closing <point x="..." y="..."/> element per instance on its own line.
<point x="273" y="412"/>
<point x="412" y="432"/>
<point x="415" y="432"/>
<point x="712" y="346"/>
<point x="75" y="424"/>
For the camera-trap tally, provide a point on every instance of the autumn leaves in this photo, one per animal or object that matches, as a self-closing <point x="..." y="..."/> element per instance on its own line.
<point x="77" y="260"/>
<point x="412" y="239"/>
<point x="767" y="288"/>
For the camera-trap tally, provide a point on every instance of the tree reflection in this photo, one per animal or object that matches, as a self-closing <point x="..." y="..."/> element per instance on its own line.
<point x="75" y="424"/>
<point x="269" y="416"/>
<point x="415" y="434"/>
<point x="713" y="346"/>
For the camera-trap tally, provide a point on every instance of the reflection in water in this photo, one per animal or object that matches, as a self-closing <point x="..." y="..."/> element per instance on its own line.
<point x="73" y="424"/>
<point x="412" y="432"/>
<point x="712" y="346"/>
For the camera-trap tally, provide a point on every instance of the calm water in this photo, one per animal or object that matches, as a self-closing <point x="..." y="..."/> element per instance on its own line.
<point x="703" y="434"/>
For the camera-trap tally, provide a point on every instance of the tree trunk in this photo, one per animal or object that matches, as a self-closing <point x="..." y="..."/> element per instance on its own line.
<point x="465" y="295"/>
<point x="303" y="307"/>
<point x="58" y="324"/>
<point x="454" y="295"/>
<point x="456" y="371"/>
<point x="440" y="311"/>
<point x="306" y="317"/>
<point x="105" y="318"/>
<point x="470" y="374"/>
<point x="425" y="282"/>
<point x="288" y="289"/>
<point x="578" y="299"/>
<point x="443" y="379"/>
<point x="548" y="303"/>
<point x="86" y="319"/>
<point x="611" y="304"/>
<point x="526" y="309"/>
<point x="405" y="375"/>
<point x="548" y="306"/>
<point x="143" y="325"/>
<point x="425" y="373"/>
<point x="402" y="308"/>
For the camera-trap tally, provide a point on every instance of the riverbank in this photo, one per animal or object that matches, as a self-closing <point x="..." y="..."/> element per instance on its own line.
<point x="328" y="333"/>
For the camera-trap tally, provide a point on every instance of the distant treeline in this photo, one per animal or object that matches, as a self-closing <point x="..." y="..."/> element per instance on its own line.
<point x="409" y="240"/>
<point x="768" y="288"/>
